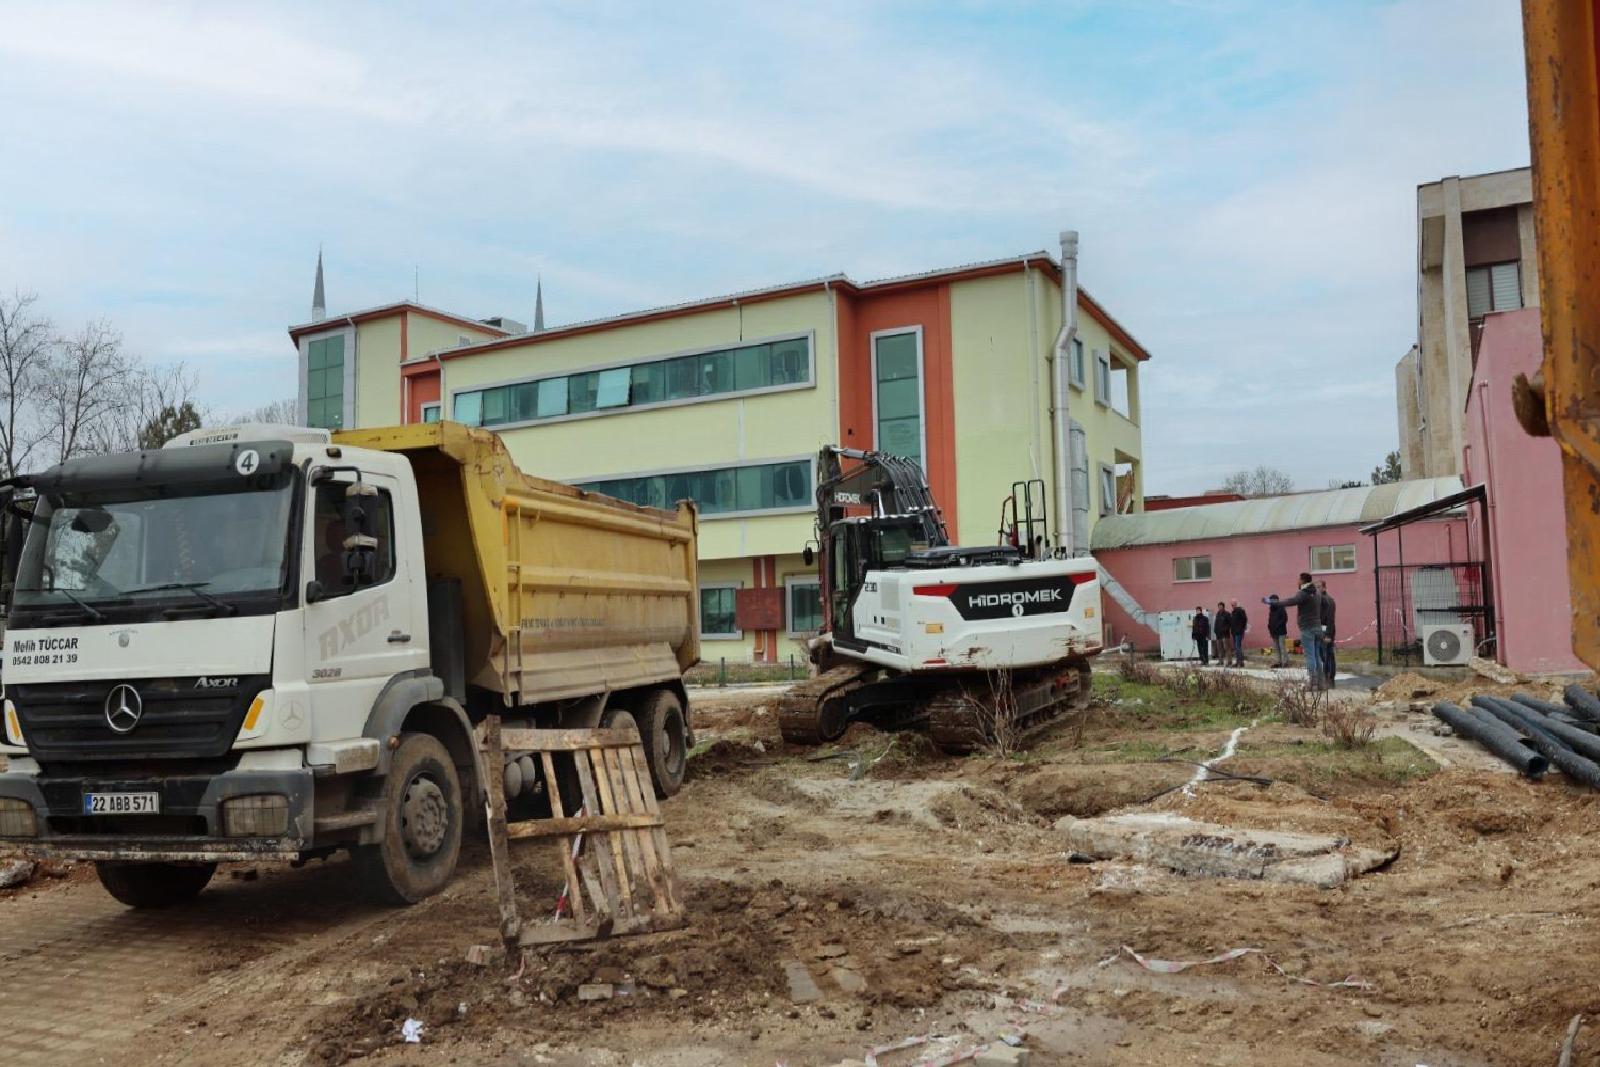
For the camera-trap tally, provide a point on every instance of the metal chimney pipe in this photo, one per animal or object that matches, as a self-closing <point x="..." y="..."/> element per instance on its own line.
<point x="1060" y="415"/>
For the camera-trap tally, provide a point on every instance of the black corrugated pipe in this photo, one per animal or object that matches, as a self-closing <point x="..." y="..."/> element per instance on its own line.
<point x="1512" y="715"/>
<point x="1559" y="712"/>
<point x="1582" y="701"/>
<point x="1580" y="741"/>
<point x="1515" y="715"/>
<point x="1493" y="735"/>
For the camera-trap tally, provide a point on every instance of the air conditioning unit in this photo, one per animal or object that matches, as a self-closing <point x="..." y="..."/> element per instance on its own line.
<point x="1448" y="645"/>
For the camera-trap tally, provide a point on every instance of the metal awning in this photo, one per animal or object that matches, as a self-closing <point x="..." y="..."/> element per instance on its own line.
<point x="1473" y="494"/>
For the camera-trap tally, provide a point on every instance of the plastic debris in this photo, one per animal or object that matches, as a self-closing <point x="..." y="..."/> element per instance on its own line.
<point x="411" y="1031"/>
<point x="1176" y="966"/>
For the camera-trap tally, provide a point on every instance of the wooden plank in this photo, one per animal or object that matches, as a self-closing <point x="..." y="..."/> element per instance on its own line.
<point x="623" y="798"/>
<point x="574" y="891"/>
<point x="499" y="851"/>
<point x="639" y="784"/>
<point x="601" y="843"/>
<point x="609" y="802"/>
<point x="605" y="910"/>
<point x="556" y="932"/>
<point x="580" y="824"/>
<point x="524" y="740"/>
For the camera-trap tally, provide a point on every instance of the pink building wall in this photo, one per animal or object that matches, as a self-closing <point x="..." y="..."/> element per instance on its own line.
<point x="1527" y="518"/>
<point x="1249" y="568"/>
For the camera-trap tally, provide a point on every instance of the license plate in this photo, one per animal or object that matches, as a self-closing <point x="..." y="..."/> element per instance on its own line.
<point x="122" y="803"/>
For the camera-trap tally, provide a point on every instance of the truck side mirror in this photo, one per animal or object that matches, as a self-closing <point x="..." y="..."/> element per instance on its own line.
<point x="360" y="545"/>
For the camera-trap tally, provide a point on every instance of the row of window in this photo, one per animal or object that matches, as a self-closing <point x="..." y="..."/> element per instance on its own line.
<point x="325" y="382"/>
<point x="703" y="375"/>
<point x="719" y="491"/>
<point x="802" y="610"/>
<point x="1326" y="559"/>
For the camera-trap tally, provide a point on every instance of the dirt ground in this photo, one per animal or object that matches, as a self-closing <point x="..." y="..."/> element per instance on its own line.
<point x="916" y="895"/>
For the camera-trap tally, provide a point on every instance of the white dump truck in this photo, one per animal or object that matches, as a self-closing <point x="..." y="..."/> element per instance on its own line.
<point x="275" y="642"/>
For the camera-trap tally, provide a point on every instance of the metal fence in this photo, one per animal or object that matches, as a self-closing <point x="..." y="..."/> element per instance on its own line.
<point x="1416" y="596"/>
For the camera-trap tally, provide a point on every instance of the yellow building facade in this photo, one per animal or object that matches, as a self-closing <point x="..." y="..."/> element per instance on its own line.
<point x="728" y="400"/>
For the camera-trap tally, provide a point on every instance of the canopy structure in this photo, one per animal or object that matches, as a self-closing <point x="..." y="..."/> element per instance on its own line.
<point x="1362" y="505"/>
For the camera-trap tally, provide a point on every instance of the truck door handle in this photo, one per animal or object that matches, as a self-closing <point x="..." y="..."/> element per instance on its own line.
<point x="398" y="638"/>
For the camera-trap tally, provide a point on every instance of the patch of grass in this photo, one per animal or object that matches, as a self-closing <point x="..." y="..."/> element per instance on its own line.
<point x="1139" y="752"/>
<point x="1180" y="704"/>
<point x="1318" y="764"/>
<point x="719" y="673"/>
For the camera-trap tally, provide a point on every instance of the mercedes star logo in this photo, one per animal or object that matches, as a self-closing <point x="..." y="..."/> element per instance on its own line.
<point x="124" y="706"/>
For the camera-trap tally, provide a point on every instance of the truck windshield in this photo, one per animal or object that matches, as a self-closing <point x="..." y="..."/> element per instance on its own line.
<point x="123" y="552"/>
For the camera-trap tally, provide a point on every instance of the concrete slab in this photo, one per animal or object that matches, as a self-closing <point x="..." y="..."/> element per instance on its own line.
<point x="1192" y="847"/>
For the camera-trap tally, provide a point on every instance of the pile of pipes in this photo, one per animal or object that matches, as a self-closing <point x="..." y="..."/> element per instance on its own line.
<point x="1534" y="735"/>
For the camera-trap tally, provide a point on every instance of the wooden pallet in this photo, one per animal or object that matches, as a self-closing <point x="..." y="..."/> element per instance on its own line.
<point x="614" y="849"/>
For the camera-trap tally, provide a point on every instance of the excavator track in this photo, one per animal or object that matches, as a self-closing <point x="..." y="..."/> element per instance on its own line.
<point x="963" y="718"/>
<point x="803" y="713"/>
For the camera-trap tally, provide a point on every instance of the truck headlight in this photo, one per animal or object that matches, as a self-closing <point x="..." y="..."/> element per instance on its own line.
<point x="266" y="815"/>
<point x="17" y="818"/>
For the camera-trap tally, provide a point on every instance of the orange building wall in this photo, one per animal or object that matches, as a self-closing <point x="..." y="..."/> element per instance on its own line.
<point x="860" y="316"/>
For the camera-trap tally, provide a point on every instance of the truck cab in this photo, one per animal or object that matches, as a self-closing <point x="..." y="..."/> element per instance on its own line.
<point x="244" y="645"/>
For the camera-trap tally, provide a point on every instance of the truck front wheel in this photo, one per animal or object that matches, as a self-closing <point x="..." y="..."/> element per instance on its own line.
<point x="665" y="735"/>
<point x="422" y="825"/>
<point x="154" y="885"/>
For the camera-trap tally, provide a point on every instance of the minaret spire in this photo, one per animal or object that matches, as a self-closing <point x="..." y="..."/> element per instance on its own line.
<point x="538" y="304"/>
<point x="319" y="303"/>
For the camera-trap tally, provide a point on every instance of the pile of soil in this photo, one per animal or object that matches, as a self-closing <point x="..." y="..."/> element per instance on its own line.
<point x="726" y="757"/>
<point x="1403" y="688"/>
<point x="727" y="963"/>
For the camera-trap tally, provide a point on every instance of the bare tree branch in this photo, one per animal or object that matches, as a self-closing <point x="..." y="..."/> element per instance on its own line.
<point x="1263" y="481"/>
<point x="25" y="343"/>
<point x="87" y="383"/>
<point x="280" y="412"/>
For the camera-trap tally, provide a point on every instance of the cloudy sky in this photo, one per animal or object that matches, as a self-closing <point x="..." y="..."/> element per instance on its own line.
<point x="1243" y="174"/>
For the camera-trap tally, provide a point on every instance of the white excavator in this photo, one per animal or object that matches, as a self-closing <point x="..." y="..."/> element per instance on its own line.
<point x="966" y="643"/>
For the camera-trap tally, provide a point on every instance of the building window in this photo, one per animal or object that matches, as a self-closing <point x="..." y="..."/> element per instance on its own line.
<point x="719" y="491"/>
<point x="430" y="412"/>
<point x="804" y="600"/>
<point x="1191" y="569"/>
<point x="1108" y="490"/>
<point x="325" y="382"/>
<point x="1497" y="287"/>
<point x="1076" y="370"/>
<point x="716" y="613"/>
<point x="897" y="392"/>
<point x="1328" y="558"/>
<point x="701" y="376"/>
<point x="1102" y="378"/>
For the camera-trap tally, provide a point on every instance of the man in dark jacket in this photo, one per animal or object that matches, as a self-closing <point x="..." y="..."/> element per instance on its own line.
<point x="1307" y="604"/>
<point x="1238" y="623"/>
<point x="1278" y="629"/>
<point x="1200" y="630"/>
<point x="1222" y="632"/>
<point x="1329" y="609"/>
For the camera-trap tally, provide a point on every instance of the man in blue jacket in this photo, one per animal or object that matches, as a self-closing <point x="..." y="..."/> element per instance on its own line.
<point x="1307" y="604"/>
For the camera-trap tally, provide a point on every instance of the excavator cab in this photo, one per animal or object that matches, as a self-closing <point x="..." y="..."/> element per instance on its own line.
<point x="857" y="546"/>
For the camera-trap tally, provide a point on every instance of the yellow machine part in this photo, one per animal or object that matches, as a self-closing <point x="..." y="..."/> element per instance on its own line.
<point x="1562" y="38"/>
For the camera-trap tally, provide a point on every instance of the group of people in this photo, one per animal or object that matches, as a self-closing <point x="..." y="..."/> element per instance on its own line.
<point x="1220" y="634"/>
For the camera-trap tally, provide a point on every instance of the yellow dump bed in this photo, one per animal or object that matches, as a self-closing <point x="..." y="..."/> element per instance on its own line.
<point x="565" y="593"/>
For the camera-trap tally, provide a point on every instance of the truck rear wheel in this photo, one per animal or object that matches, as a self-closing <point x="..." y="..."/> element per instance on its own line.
<point x="154" y="885"/>
<point x="664" y="732"/>
<point x="422" y="825"/>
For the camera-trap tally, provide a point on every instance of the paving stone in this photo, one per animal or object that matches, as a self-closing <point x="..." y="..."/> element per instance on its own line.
<point x="847" y="980"/>
<point x="802" y="987"/>
<point x="596" y="991"/>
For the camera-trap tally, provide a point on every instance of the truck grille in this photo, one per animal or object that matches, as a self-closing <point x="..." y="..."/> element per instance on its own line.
<point x="67" y="722"/>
